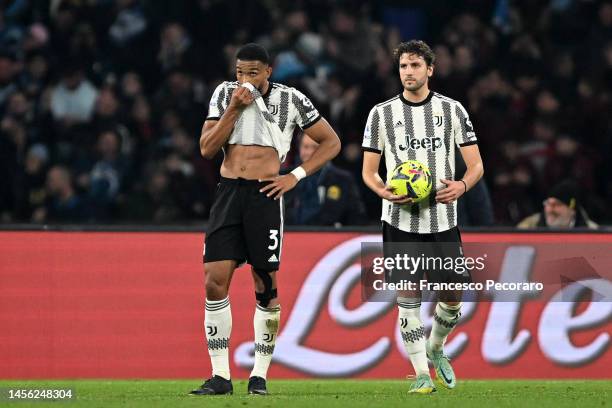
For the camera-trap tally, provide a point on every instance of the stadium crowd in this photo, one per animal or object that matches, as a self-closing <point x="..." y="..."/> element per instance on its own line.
<point x="102" y="101"/>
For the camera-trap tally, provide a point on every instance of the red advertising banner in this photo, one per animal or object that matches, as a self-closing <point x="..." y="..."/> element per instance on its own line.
<point x="131" y="305"/>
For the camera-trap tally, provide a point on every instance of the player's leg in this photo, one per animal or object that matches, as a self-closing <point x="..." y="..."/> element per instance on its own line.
<point x="409" y="314"/>
<point x="446" y="316"/>
<point x="447" y="312"/>
<point x="413" y="337"/>
<point x="218" y="326"/>
<point x="263" y="228"/>
<point x="218" y="315"/>
<point x="266" y="322"/>
<point x="224" y="250"/>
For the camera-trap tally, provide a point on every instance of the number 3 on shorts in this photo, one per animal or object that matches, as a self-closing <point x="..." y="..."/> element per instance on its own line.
<point x="274" y="238"/>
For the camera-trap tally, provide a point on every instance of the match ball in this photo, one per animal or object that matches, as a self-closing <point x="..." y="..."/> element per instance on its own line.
<point x="411" y="178"/>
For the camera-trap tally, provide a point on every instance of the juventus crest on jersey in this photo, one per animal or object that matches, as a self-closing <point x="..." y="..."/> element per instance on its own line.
<point x="287" y="106"/>
<point x="426" y="131"/>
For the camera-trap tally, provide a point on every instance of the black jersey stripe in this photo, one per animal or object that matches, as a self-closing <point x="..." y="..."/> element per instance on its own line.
<point x="448" y="140"/>
<point x="283" y="110"/>
<point x="462" y="125"/>
<point x="431" y="163"/>
<point x="220" y="100"/>
<point x="388" y="121"/>
<point x="409" y="132"/>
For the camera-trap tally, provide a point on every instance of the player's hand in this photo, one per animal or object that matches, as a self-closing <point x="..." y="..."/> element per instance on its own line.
<point x="279" y="186"/>
<point x="451" y="192"/>
<point x="241" y="98"/>
<point x="389" y="195"/>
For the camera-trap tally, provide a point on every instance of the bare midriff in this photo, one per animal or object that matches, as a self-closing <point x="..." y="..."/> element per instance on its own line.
<point x="250" y="162"/>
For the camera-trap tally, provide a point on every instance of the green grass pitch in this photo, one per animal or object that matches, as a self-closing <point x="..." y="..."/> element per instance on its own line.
<point x="325" y="393"/>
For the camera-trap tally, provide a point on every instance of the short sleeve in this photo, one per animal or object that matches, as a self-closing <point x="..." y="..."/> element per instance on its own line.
<point x="307" y="115"/>
<point x="217" y="104"/>
<point x="463" y="128"/>
<point x="372" y="136"/>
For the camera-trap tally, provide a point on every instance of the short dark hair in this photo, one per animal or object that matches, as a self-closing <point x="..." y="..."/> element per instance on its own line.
<point x="416" y="47"/>
<point x="253" y="52"/>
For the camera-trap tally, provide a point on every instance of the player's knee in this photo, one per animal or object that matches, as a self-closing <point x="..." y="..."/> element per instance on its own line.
<point x="216" y="287"/>
<point x="265" y="293"/>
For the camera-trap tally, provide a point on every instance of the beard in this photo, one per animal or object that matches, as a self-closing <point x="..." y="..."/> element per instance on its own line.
<point x="559" y="221"/>
<point x="414" y="86"/>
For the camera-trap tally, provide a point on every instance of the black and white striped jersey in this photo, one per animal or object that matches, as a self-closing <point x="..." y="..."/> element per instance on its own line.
<point x="288" y="107"/>
<point x="426" y="131"/>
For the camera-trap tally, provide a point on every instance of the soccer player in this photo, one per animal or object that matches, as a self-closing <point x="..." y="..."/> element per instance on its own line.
<point x="419" y="124"/>
<point x="252" y="120"/>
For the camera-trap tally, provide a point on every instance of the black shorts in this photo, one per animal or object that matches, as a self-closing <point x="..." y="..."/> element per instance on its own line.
<point x="444" y="244"/>
<point x="245" y="225"/>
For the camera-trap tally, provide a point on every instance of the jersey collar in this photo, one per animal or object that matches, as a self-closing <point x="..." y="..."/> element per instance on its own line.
<point x="423" y="102"/>
<point x="270" y="86"/>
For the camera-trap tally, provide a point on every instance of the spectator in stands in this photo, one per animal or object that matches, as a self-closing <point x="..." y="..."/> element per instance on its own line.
<point x="32" y="191"/>
<point x="63" y="204"/>
<point x="177" y="50"/>
<point x="186" y="185"/>
<point x="104" y="181"/>
<point x="183" y="95"/>
<point x="74" y="98"/>
<point x="474" y="208"/>
<point x="561" y="209"/>
<point x="129" y="23"/>
<point x="131" y="87"/>
<point x="35" y="76"/>
<point x="351" y="44"/>
<point x="8" y="71"/>
<point x="328" y="197"/>
<point x="155" y="202"/>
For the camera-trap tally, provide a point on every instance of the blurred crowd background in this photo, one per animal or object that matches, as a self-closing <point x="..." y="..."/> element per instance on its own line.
<point x="102" y="101"/>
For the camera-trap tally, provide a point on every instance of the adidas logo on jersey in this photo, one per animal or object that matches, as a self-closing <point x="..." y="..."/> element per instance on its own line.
<point x="399" y="123"/>
<point x="273" y="258"/>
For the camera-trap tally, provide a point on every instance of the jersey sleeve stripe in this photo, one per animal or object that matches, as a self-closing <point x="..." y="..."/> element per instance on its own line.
<point x="370" y="149"/>
<point x="471" y="142"/>
<point x="309" y="124"/>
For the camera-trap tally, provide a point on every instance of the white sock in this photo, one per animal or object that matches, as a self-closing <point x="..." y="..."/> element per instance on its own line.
<point x="444" y="320"/>
<point x="266" y="323"/>
<point x="218" y="326"/>
<point x="413" y="333"/>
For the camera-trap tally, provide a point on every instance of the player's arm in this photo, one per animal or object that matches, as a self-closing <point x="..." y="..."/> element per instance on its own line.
<point x="371" y="178"/>
<point x="474" y="172"/>
<point x="215" y="133"/>
<point x="329" y="147"/>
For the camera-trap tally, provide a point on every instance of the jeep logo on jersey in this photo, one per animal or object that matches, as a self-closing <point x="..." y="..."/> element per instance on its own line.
<point x="429" y="143"/>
